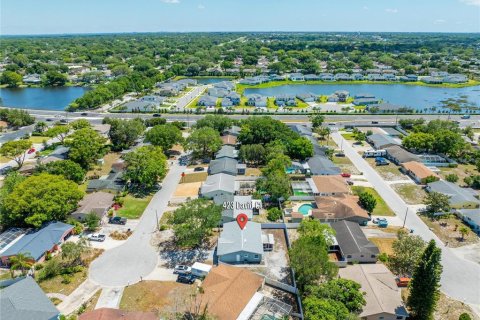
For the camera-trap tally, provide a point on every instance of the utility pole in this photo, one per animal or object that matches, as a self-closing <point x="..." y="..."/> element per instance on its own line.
<point x="405" y="220"/>
<point x="158" y="222"/>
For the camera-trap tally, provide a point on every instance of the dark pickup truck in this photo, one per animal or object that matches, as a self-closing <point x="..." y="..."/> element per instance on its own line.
<point x="117" y="220"/>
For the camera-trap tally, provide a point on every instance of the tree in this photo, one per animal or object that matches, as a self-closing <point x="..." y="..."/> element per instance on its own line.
<point x="10" y="78"/>
<point x="165" y="136"/>
<point x="194" y="220"/>
<point x="276" y="185"/>
<point x="342" y="290"/>
<point x="252" y="153"/>
<point x="473" y="181"/>
<point x="124" y="133"/>
<point x="317" y="120"/>
<point x="60" y="132"/>
<point x="217" y="122"/>
<point x="55" y="78"/>
<point x="16" y="150"/>
<point x="16" y="117"/>
<point x="452" y="177"/>
<point x="407" y="250"/>
<point x="152" y="122"/>
<point x="367" y="201"/>
<point x="419" y="141"/>
<point x="145" y="166"/>
<point x="40" y="198"/>
<point x="274" y="214"/>
<point x="300" y="148"/>
<point x="425" y="283"/>
<point x="204" y="142"/>
<point x="80" y="124"/>
<point x="40" y="127"/>
<point x="72" y="251"/>
<point x="437" y="202"/>
<point x="322" y="132"/>
<point x="22" y="262"/>
<point x="463" y="231"/>
<point x="68" y="169"/>
<point x="360" y="137"/>
<point x="92" y="221"/>
<point x="324" y="309"/>
<point x="86" y="146"/>
<point x="464" y="316"/>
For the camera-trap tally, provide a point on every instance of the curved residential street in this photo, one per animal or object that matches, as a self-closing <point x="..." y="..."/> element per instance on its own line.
<point x="460" y="277"/>
<point x="124" y="265"/>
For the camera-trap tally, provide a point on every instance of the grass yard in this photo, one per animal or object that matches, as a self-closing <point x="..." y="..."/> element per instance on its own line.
<point x="253" y="172"/>
<point x="109" y="159"/>
<point x="38" y="139"/>
<point x="390" y="172"/>
<point x="194" y="177"/>
<point x="158" y="296"/>
<point x="447" y="229"/>
<point x="349" y="136"/>
<point x="462" y="171"/>
<point x="410" y="193"/>
<point x="382" y="209"/>
<point x="383" y="244"/>
<point x="133" y="207"/>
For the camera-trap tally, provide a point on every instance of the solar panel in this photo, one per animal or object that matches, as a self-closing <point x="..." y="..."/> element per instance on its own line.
<point x="10" y="235"/>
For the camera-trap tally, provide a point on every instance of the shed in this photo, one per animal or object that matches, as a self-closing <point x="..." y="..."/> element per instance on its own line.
<point x="200" y="269"/>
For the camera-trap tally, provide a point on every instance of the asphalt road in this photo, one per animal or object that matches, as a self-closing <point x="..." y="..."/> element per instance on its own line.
<point x="460" y="277"/>
<point x="136" y="258"/>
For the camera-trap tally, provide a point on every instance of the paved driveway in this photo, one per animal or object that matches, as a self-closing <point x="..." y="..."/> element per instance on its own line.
<point x="136" y="258"/>
<point x="460" y="277"/>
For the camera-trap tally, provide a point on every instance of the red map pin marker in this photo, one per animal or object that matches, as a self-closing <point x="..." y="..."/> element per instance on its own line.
<point x="242" y="220"/>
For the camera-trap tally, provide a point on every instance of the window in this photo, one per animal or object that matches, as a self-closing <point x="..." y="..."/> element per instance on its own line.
<point x="374" y="256"/>
<point x="256" y="256"/>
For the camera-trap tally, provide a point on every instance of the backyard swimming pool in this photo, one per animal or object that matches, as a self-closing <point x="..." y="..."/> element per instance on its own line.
<point x="305" y="209"/>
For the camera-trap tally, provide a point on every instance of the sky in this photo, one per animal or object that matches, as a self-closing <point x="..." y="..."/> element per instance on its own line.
<point x="110" y="16"/>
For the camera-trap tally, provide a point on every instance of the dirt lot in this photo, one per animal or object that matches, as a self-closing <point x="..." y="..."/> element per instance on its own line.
<point x="104" y="169"/>
<point x="383" y="244"/>
<point x="410" y="193"/>
<point x="462" y="171"/>
<point x="447" y="229"/>
<point x="390" y="172"/>
<point x="188" y="189"/>
<point x="194" y="177"/>
<point x="163" y="298"/>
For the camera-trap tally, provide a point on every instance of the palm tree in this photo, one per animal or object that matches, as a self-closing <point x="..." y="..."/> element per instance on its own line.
<point x="22" y="261"/>
<point x="464" y="231"/>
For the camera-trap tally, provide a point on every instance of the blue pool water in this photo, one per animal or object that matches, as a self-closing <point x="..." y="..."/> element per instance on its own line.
<point x="305" y="208"/>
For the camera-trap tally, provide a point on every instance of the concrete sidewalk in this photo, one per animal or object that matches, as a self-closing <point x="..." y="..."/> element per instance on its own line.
<point x="110" y="298"/>
<point x="78" y="297"/>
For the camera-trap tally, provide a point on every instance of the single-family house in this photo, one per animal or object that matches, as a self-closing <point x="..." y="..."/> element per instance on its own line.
<point x="234" y="97"/>
<point x="229" y="140"/>
<point x="307" y="97"/>
<point x="234" y="131"/>
<point x="96" y="202"/>
<point x="353" y="243"/>
<point x="342" y="77"/>
<point x="60" y="153"/>
<point x="338" y="208"/>
<point x="328" y="185"/>
<point x="311" y="77"/>
<point x="301" y="129"/>
<point x="116" y="314"/>
<point x="432" y="80"/>
<point x="188" y="82"/>
<point x="102" y="129"/>
<point x="296" y="77"/>
<point x="381" y="141"/>
<point x="419" y="172"/>
<point x="207" y="101"/>
<point x="223" y="165"/>
<point x="158" y="100"/>
<point x="257" y="100"/>
<point x="233" y="206"/>
<point x="225" y="85"/>
<point x="470" y="217"/>
<point x="460" y="198"/>
<point x="321" y="165"/>
<point x="112" y="182"/>
<point x="285" y="100"/>
<point x="236" y="245"/>
<point x="140" y="106"/>
<point x="398" y="155"/>
<point x="357" y="76"/>
<point x="217" y="92"/>
<point x="409" y="78"/>
<point x="32" y="79"/>
<point x="229" y="291"/>
<point x="25" y="300"/>
<point x="218" y="185"/>
<point x="455" y="78"/>
<point x="227" y="151"/>
<point x="39" y="242"/>
<point x="226" y="103"/>
<point x="327" y="77"/>
<point x="383" y="296"/>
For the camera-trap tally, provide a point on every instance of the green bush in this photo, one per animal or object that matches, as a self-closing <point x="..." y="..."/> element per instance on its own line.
<point x="66" y="278"/>
<point x="465" y="316"/>
<point x="51" y="269"/>
<point x="383" y="257"/>
<point x="274" y="214"/>
<point x="163" y="227"/>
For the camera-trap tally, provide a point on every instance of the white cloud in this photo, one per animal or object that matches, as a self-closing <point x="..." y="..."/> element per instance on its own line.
<point x="171" y="1"/>
<point x="201" y="7"/>
<point x="439" y="21"/>
<point x="390" y="10"/>
<point x="471" y="2"/>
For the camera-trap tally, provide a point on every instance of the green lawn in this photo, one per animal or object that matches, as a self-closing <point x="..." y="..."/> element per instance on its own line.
<point x="410" y="193"/>
<point x="38" y="139"/>
<point x="133" y="207"/>
<point x="348" y="136"/>
<point x="382" y="209"/>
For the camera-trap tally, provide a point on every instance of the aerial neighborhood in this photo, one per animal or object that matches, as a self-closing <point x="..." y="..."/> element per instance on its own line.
<point x="249" y="176"/>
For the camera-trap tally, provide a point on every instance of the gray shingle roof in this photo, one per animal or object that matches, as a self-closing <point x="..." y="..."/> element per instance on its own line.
<point x="241" y="204"/>
<point x="381" y="141"/>
<point x="233" y="239"/>
<point x="320" y="165"/>
<point x="25" y="300"/>
<point x="471" y="214"/>
<point x="457" y="194"/>
<point x="223" y="165"/>
<point x="401" y="155"/>
<point x="226" y="151"/>
<point x="37" y="243"/>
<point x="221" y="181"/>
<point x="351" y="238"/>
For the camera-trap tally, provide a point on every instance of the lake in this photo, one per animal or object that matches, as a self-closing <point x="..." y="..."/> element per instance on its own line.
<point x="418" y="97"/>
<point x="48" y="98"/>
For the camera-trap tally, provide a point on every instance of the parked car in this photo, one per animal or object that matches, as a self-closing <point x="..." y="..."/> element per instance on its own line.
<point x="374" y="122"/>
<point x="377" y="220"/>
<point x="402" y="282"/>
<point x="346" y="175"/>
<point x="383" y="224"/>
<point x="64" y="121"/>
<point x="156" y="115"/>
<point x="182" y="269"/>
<point x="84" y="114"/>
<point x="117" y="220"/>
<point x="96" y="237"/>
<point x="186" y="278"/>
<point x="199" y="169"/>
<point x="340" y="154"/>
<point x="32" y="150"/>
<point x="466" y="116"/>
<point x="48" y="119"/>
<point x="350" y="182"/>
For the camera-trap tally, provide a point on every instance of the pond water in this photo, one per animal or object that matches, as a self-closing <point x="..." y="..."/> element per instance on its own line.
<point x="418" y="97"/>
<point x="212" y="80"/>
<point x="48" y="98"/>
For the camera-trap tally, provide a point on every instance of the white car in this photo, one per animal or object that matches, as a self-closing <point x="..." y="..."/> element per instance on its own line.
<point x="96" y="237"/>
